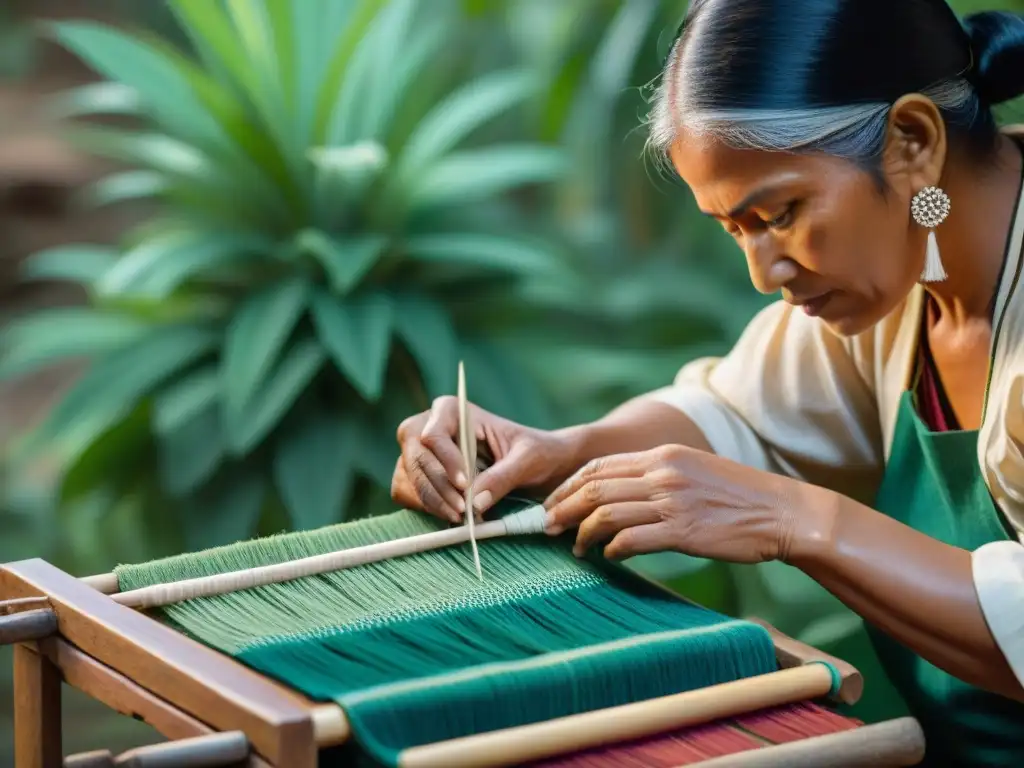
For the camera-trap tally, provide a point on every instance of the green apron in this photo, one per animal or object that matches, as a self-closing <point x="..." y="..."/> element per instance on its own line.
<point x="933" y="484"/>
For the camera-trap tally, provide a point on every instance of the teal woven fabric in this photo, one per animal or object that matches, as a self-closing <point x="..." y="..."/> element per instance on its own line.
<point x="417" y="650"/>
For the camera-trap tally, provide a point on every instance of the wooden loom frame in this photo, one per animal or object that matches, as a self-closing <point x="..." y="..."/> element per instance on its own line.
<point x="68" y="631"/>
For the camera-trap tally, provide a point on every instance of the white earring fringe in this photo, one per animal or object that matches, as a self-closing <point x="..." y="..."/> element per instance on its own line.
<point x="933" y="271"/>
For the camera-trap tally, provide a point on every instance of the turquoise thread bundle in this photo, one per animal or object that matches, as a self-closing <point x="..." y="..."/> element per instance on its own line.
<point x="417" y="650"/>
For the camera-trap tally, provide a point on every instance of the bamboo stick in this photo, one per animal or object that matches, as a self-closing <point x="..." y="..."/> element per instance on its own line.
<point x="513" y="746"/>
<point x="530" y="520"/>
<point x="467" y="445"/>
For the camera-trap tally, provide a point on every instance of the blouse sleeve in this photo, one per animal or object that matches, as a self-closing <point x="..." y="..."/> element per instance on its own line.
<point x="999" y="579"/>
<point x="791" y="397"/>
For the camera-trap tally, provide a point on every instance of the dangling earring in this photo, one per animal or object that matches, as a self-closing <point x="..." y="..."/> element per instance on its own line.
<point x="930" y="207"/>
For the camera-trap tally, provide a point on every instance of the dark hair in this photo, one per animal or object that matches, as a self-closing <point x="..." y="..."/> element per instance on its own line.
<point x="821" y="75"/>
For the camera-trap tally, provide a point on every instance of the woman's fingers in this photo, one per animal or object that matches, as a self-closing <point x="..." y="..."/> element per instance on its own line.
<point x="607" y="521"/>
<point x="601" y="491"/>
<point x="502" y="477"/>
<point x="639" y="540"/>
<point x="432" y="461"/>
<point x="430" y="481"/>
<point x="402" y="491"/>
<point x="618" y="466"/>
<point x="440" y="435"/>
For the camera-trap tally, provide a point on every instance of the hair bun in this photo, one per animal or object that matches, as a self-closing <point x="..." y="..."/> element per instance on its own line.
<point x="997" y="40"/>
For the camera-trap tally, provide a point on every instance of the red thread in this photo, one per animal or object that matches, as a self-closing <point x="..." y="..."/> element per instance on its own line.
<point x="687" y="746"/>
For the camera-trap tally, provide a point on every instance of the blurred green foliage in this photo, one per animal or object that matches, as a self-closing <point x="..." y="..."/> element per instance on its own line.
<point x="355" y="195"/>
<point x="333" y="236"/>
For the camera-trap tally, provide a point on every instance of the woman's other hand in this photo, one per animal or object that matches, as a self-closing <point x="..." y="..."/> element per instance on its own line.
<point x="679" y="499"/>
<point x="430" y="475"/>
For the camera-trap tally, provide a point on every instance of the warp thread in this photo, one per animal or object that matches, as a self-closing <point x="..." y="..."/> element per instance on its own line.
<point x="416" y="649"/>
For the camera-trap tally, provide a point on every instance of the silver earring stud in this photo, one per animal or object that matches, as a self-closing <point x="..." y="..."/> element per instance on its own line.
<point x="930" y="207"/>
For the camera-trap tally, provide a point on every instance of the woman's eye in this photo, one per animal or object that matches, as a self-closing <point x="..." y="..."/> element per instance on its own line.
<point x="783" y="220"/>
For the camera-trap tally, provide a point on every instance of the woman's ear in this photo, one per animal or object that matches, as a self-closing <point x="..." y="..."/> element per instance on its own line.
<point x="915" y="144"/>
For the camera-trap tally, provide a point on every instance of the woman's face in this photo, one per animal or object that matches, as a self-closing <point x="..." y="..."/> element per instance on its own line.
<point x="815" y="228"/>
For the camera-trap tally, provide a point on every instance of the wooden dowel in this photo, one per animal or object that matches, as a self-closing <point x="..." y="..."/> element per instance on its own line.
<point x="512" y="746"/>
<point x="890" y="744"/>
<point x="530" y="520"/>
<point x="790" y="652"/>
<point x="21" y="603"/>
<point x="213" y="751"/>
<point x="102" y="582"/>
<point x="103" y="758"/>
<point x="26" y="626"/>
<point x="330" y="725"/>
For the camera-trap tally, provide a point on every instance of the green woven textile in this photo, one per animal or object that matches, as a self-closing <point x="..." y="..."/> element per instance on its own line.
<point x="416" y="649"/>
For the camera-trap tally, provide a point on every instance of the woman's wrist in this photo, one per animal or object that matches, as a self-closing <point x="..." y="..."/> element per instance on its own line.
<point x="807" y="526"/>
<point x="638" y="425"/>
<point x="574" y="447"/>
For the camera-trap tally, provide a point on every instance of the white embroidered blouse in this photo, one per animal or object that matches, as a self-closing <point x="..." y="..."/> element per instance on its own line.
<point x="794" y="398"/>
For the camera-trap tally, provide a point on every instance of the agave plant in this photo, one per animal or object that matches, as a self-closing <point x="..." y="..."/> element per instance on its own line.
<point x="332" y="225"/>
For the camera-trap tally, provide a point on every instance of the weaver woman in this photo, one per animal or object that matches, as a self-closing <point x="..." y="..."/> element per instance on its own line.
<point x="868" y="428"/>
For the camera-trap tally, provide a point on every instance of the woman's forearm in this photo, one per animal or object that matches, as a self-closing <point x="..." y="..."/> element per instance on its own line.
<point x="637" y="425"/>
<point x="914" y="588"/>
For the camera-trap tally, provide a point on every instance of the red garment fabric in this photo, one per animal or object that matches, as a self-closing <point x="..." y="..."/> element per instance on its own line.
<point x="932" y="405"/>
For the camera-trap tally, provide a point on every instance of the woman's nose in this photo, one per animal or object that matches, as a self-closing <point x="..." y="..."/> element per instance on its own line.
<point x="769" y="268"/>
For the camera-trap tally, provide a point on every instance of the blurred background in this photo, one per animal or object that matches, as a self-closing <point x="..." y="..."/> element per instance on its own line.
<point x="337" y="200"/>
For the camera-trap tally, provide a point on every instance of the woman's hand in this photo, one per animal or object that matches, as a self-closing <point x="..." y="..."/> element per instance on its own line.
<point x="680" y="499"/>
<point x="430" y="475"/>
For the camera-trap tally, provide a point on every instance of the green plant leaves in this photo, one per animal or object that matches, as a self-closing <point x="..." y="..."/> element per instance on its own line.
<point x="117" y="382"/>
<point x="485" y="173"/>
<point x="110" y="460"/>
<point x="289" y="251"/>
<point x="346" y="260"/>
<point x="359" y="20"/>
<point x="225" y="511"/>
<point x="161" y="263"/>
<point x="49" y="336"/>
<point x="190" y="451"/>
<point x="76" y="262"/>
<point x="427" y="331"/>
<point x="130" y="62"/>
<point x="275" y="395"/>
<point x="313" y="467"/>
<point x="356" y="330"/>
<point x="484" y="251"/>
<point x="126" y="187"/>
<point x="102" y="98"/>
<point x="184" y="398"/>
<point x="255" y="337"/>
<point x="457" y="116"/>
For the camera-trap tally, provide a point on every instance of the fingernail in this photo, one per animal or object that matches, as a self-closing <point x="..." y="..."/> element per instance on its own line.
<point x="482" y="501"/>
<point x="460" y="481"/>
<point x="460" y="505"/>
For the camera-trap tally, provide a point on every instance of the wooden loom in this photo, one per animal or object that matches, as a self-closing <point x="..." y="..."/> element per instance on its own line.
<point x="217" y="712"/>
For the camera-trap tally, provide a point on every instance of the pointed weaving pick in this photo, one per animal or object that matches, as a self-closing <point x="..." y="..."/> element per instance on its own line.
<point x="467" y="444"/>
